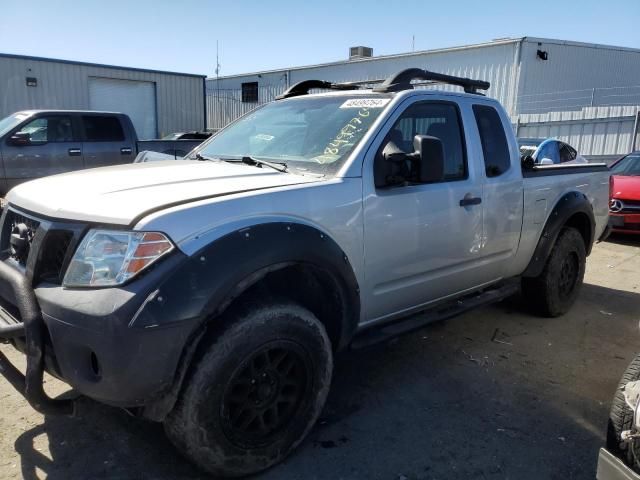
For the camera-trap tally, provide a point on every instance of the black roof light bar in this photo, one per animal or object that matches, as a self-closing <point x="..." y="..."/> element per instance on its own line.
<point x="302" y="88"/>
<point x="402" y="81"/>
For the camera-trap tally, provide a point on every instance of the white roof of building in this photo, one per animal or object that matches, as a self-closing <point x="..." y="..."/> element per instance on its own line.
<point x="492" y="43"/>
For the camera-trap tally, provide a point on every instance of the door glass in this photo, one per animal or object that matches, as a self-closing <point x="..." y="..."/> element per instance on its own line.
<point x="49" y="129"/>
<point x="495" y="148"/>
<point x="440" y="120"/>
<point x="101" y="128"/>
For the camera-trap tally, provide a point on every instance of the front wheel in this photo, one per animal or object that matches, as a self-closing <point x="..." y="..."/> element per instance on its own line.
<point x="256" y="392"/>
<point x="554" y="291"/>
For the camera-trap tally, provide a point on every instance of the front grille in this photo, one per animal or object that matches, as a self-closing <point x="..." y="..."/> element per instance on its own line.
<point x="23" y="230"/>
<point x="49" y="245"/>
<point x="53" y="255"/>
<point x="630" y="206"/>
<point x="633" y="227"/>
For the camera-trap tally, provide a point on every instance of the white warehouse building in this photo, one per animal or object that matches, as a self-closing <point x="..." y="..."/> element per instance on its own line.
<point x="585" y="94"/>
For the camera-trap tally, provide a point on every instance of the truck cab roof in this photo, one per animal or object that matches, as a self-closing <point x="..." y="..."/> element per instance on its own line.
<point x="39" y="111"/>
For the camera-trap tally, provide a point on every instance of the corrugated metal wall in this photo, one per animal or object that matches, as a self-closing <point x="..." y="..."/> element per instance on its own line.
<point x="61" y="85"/>
<point x="495" y="63"/>
<point x="594" y="132"/>
<point x="586" y="95"/>
<point x="576" y="76"/>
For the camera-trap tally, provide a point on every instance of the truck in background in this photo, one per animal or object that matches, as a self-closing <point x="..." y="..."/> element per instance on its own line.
<point x="38" y="143"/>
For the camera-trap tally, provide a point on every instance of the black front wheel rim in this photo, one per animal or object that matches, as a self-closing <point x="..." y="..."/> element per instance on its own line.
<point x="265" y="394"/>
<point x="569" y="274"/>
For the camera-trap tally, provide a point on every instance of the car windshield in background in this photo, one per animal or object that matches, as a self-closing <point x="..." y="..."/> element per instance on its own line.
<point x="628" y="166"/>
<point x="12" y="121"/>
<point x="172" y="136"/>
<point x="527" y="150"/>
<point x="315" y="134"/>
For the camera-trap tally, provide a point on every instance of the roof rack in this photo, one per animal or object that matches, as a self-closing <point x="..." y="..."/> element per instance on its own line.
<point x="302" y="88"/>
<point x="402" y="81"/>
<point x="396" y="83"/>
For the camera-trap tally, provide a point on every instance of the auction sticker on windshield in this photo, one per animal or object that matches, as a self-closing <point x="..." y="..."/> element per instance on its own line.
<point x="365" y="102"/>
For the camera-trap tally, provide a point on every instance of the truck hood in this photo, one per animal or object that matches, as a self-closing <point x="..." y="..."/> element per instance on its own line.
<point x="626" y="187"/>
<point x="123" y="193"/>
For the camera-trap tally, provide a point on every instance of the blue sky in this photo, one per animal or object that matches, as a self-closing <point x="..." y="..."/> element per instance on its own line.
<point x="181" y="35"/>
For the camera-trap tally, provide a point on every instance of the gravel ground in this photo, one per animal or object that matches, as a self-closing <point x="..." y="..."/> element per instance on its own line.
<point x="494" y="394"/>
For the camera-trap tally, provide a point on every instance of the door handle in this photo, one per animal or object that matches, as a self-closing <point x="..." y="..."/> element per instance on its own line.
<point x="468" y="200"/>
<point x="75" y="152"/>
<point x="126" y="151"/>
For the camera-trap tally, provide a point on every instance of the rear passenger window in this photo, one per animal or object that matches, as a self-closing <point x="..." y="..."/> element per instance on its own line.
<point x="494" y="141"/>
<point x="102" y="129"/>
<point x="437" y="120"/>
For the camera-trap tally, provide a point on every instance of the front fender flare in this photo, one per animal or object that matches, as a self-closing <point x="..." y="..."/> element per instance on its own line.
<point x="208" y="281"/>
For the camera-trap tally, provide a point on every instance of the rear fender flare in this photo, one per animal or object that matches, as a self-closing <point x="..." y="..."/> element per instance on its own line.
<point x="570" y="203"/>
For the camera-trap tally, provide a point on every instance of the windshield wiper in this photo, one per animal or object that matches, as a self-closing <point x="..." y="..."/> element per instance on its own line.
<point x="199" y="156"/>
<point x="279" y="166"/>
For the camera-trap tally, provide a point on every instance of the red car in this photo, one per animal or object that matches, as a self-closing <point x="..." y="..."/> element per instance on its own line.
<point x="624" y="205"/>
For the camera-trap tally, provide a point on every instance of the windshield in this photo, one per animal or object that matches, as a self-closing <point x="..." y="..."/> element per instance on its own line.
<point x="316" y="134"/>
<point x="629" y="165"/>
<point x="12" y="121"/>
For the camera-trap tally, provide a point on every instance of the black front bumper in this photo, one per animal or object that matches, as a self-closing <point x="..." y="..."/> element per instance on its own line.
<point x="111" y="344"/>
<point x="31" y="326"/>
<point x="121" y="346"/>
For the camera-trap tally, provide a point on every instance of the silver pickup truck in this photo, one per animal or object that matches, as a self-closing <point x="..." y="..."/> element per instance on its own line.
<point x="212" y="293"/>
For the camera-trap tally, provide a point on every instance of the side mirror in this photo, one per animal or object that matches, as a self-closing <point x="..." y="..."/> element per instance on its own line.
<point x="424" y="165"/>
<point x="527" y="162"/>
<point x="546" y="161"/>
<point x="429" y="154"/>
<point x="391" y="166"/>
<point x="20" y="139"/>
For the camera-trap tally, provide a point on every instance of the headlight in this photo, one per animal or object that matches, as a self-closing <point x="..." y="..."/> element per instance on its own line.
<point x="111" y="257"/>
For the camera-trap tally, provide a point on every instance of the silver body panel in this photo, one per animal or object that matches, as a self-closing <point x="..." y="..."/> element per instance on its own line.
<point x="611" y="467"/>
<point x="408" y="246"/>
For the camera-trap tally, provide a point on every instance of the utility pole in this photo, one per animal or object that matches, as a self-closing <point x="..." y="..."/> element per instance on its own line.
<point x="217" y="84"/>
<point x="413" y="43"/>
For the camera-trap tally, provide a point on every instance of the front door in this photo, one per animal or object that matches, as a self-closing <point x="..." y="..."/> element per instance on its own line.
<point x="48" y="146"/>
<point x="422" y="241"/>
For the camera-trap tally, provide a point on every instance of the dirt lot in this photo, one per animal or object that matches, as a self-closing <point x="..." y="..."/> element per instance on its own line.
<point x="445" y="402"/>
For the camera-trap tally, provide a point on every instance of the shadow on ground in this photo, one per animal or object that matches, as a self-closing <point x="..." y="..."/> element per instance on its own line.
<point x="632" y="240"/>
<point x="494" y="394"/>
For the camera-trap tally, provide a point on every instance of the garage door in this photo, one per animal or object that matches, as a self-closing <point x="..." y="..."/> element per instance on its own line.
<point x="136" y="99"/>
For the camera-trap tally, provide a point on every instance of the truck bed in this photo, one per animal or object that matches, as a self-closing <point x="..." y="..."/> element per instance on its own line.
<point x="544" y="187"/>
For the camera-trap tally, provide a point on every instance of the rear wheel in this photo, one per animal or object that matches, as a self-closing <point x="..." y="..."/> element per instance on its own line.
<point x="256" y="392"/>
<point x="555" y="290"/>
